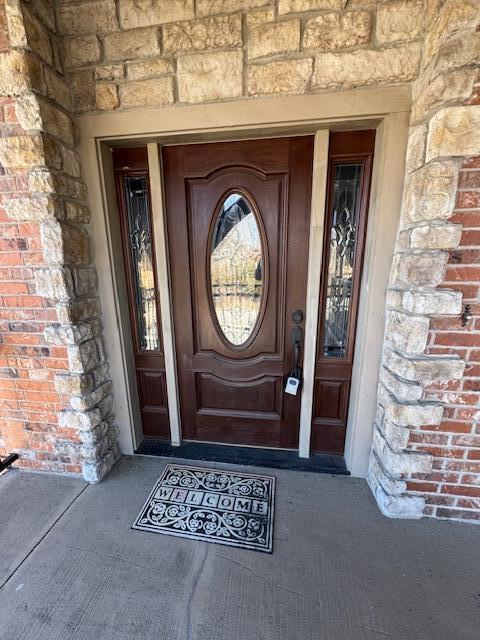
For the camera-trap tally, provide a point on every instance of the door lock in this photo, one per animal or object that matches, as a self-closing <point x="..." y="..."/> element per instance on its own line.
<point x="297" y="316"/>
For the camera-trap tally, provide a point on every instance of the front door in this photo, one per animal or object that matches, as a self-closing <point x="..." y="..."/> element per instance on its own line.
<point x="238" y="218"/>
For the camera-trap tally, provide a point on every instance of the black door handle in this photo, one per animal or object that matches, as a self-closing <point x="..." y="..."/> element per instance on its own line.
<point x="297" y="339"/>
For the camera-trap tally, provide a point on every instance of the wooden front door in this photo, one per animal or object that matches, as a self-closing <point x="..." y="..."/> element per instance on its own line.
<point x="238" y="218"/>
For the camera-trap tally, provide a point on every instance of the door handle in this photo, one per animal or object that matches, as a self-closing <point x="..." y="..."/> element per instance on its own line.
<point x="297" y="339"/>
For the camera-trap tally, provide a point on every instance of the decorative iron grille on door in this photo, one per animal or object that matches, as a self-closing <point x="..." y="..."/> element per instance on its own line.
<point x="343" y="235"/>
<point x="141" y="252"/>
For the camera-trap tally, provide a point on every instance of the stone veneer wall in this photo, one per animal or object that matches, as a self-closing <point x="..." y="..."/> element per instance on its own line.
<point x="56" y="393"/>
<point x="425" y="458"/>
<point x="128" y="54"/>
<point x="150" y="53"/>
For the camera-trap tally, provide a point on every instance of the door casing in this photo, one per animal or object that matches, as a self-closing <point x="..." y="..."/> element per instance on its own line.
<point x="386" y="109"/>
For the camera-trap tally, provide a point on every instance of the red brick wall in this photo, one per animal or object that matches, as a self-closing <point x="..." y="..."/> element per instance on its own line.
<point x="29" y="404"/>
<point x="453" y="490"/>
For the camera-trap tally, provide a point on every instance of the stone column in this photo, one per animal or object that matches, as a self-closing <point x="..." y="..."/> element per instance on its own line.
<point x="42" y="151"/>
<point x="445" y="129"/>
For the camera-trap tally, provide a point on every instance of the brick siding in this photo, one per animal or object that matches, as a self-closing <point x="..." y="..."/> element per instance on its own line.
<point x="55" y="407"/>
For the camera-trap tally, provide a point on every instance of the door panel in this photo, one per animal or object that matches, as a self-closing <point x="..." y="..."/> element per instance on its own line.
<point x="238" y="226"/>
<point x="259" y="398"/>
<point x="330" y="398"/>
<point x="131" y="169"/>
<point x="350" y="165"/>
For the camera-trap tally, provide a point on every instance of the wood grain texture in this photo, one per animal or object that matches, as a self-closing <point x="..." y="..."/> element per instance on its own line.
<point x="333" y="375"/>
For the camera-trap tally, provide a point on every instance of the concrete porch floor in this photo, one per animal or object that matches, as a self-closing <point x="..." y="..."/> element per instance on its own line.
<point x="71" y="568"/>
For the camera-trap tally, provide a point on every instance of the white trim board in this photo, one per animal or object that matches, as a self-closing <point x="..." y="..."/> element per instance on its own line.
<point x="164" y="290"/>
<point x="315" y="252"/>
<point x="338" y="109"/>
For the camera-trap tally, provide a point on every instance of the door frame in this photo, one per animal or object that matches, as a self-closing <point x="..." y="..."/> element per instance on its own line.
<point x="386" y="110"/>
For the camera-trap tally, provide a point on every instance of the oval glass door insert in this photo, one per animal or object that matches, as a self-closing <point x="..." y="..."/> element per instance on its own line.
<point x="236" y="269"/>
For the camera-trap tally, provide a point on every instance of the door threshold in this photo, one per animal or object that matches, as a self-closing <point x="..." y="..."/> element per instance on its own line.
<point x="250" y="456"/>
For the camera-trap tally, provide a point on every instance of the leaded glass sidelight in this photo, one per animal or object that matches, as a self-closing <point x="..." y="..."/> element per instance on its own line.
<point x="140" y="246"/>
<point x="341" y="256"/>
<point x="236" y="269"/>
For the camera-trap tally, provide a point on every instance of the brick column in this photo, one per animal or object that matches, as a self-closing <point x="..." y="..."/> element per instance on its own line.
<point x="58" y="416"/>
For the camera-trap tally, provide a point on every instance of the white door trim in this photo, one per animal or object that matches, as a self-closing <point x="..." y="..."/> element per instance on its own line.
<point x="164" y="293"/>
<point x="315" y="254"/>
<point x="382" y="226"/>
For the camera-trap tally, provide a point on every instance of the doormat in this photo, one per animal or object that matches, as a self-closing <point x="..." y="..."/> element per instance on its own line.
<point x="212" y="505"/>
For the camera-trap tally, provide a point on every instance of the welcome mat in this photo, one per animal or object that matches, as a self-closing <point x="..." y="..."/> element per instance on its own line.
<point x="212" y="505"/>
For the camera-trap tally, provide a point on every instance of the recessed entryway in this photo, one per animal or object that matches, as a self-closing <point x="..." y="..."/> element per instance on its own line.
<point x="237" y="218"/>
<point x="385" y="109"/>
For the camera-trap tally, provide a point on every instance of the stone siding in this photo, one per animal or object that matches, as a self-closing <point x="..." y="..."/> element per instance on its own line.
<point x="452" y="490"/>
<point x="425" y="457"/>
<point x="173" y="52"/>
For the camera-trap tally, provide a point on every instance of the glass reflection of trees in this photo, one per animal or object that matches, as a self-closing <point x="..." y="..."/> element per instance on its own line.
<point x="236" y="269"/>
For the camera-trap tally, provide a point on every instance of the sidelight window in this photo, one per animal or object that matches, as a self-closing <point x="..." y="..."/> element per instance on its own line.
<point x="341" y="253"/>
<point x="141" y="254"/>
